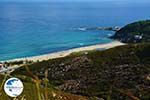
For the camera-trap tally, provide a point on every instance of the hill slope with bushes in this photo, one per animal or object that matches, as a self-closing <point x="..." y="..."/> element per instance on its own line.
<point x="134" y="32"/>
<point x="121" y="73"/>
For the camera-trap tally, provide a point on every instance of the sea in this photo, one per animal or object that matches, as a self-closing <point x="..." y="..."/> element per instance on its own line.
<point x="36" y="28"/>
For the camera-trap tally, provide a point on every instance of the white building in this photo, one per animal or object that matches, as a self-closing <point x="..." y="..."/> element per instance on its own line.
<point x="2" y="67"/>
<point x="138" y="37"/>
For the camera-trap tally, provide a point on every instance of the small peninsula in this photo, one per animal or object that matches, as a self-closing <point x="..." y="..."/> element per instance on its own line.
<point x="134" y="33"/>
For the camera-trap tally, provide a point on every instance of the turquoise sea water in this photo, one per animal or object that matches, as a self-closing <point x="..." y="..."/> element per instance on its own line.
<point x="30" y="29"/>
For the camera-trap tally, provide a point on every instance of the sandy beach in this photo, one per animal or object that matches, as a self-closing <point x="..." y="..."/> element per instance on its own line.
<point x="68" y="52"/>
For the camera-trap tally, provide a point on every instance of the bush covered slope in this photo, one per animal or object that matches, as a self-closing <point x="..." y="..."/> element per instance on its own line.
<point x="34" y="90"/>
<point x="134" y="32"/>
<point x="121" y="73"/>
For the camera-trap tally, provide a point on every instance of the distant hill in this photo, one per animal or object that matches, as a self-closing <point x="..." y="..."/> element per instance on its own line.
<point x="134" y="33"/>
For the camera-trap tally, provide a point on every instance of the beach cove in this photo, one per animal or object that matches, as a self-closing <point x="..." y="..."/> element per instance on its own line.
<point x="68" y="52"/>
<point x="26" y="33"/>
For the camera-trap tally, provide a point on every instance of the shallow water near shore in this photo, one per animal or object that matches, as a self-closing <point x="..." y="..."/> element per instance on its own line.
<point x="31" y="29"/>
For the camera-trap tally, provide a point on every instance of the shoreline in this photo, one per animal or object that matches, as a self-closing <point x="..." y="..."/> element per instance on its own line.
<point x="67" y="52"/>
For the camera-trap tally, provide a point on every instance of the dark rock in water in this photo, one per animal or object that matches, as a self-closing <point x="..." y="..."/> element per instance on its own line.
<point x="99" y="28"/>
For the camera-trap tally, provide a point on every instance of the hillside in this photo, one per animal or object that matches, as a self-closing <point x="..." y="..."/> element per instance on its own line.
<point x="31" y="91"/>
<point x="134" y="32"/>
<point x="121" y="73"/>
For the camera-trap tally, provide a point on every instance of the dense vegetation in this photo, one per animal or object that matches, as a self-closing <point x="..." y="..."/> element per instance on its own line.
<point x="36" y="89"/>
<point x="121" y="73"/>
<point x="134" y="32"/>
